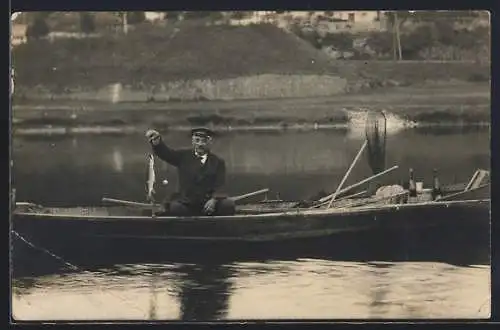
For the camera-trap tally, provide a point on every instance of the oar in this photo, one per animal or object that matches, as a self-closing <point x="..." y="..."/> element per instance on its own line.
<point x="371" y="178"/>
<point x="240" y="197"/>
<point x="347" y="173"/>
<point x="147" y="205"/>
<point x="129" y="203"/>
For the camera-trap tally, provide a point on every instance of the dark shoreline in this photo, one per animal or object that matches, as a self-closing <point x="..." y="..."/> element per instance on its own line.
<point x="124" y="130"/>
<point x="428" y="105"/>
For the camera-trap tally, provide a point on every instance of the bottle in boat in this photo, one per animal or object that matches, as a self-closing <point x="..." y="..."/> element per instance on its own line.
<point x="412" y="187"/>
<point x="436" y="187"/>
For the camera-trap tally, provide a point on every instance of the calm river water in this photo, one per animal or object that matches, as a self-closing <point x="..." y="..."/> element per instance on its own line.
<point x="81" y="170"/>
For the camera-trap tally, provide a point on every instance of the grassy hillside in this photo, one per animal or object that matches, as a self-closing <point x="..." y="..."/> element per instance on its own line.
<point x="151" y="55"/>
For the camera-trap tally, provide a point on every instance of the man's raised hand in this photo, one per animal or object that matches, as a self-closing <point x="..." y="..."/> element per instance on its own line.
<point x="153" y="136"/>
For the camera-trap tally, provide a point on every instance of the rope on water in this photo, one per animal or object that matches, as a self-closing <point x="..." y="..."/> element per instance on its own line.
<point x="75" y="268"/>
<point x="69" y="265"/>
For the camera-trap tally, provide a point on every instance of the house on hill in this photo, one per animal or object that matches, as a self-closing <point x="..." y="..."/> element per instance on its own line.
<point x="18" y="34"/>
<point x="351" y="21"/>
<point x="153" y="16"/>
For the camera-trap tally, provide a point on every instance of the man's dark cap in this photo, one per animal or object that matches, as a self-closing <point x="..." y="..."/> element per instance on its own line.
<point x="202" y="131"/>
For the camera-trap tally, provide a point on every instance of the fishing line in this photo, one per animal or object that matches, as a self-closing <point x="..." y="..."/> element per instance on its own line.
<point x="75" y="268"/>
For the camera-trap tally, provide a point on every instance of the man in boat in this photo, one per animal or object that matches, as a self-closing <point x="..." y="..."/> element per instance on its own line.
<point x="201" y="175"/>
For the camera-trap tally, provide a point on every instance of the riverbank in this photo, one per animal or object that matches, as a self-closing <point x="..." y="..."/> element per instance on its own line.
<point x="452" y="104"/>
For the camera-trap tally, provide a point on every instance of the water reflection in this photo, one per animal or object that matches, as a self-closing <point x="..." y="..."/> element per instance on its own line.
<point x="117" y="160"/>
<point x="204" y="291"/>
<point x="179" y="291"/>
<point x="304" y="288"/>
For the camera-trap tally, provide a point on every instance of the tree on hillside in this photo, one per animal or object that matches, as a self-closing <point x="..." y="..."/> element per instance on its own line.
<point x="441" y="25"/>
<point x="197" y="14"/>
<point x="136" y="17"/>
<point x="395" y="20"/>
<point x="173" y="15"/>
<point x="87" y="23"/>
<point x="39" y="28"/>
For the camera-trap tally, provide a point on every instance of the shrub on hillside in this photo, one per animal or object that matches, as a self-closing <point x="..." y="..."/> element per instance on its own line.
<point x="309" y="35"/>
<point x="381" y="43"/>
<point x="173" y="15"/>
<point x="341" y="41"/>
<point x="241" y="14"/>
<point x="135" y="17"/>
<point x="439" y="41"/>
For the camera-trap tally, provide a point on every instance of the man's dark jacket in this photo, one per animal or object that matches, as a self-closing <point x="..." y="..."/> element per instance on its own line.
<point x="197" y="182"/>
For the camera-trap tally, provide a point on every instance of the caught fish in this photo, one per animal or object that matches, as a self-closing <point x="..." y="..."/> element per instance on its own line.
<point x="151" y="180"/>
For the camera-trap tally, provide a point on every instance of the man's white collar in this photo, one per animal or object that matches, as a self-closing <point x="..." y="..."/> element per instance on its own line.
<point x="203" y="158"/>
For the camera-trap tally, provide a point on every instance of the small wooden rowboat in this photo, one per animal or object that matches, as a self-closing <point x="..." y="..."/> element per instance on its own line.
<point x="258" y="222"/>
<point x="354" y="228"/>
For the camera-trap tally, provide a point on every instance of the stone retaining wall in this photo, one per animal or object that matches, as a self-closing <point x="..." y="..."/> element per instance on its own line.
<point x="265" y="86"/>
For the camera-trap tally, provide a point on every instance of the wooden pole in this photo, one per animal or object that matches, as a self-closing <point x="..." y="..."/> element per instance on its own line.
<point x="375" y="200"/>
<point x="398" y="38"/>
<point x="348" y="172"/>
<point x="371" y="178"/>
<point x="341" y="199"/>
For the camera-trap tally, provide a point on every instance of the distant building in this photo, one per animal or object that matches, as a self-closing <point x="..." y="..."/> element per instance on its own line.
<point x="154" y="15"/>
<point x="256" y="18"/>
<point x="323" y="21"/>
<point x="481" y="20"/>
<point x="351" y="21"/>
<point x="18" y="34"/>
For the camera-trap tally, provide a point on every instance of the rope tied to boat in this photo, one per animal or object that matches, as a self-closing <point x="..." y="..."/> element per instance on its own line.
<point x="73" y="267"/>
<point x="25" y="240"/>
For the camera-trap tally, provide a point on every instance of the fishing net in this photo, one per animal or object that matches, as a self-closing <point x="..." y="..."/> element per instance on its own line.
<point x="376" y="140"/>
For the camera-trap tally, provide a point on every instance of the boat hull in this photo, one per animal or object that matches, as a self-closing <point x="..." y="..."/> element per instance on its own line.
<point x="461" y="222"/>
